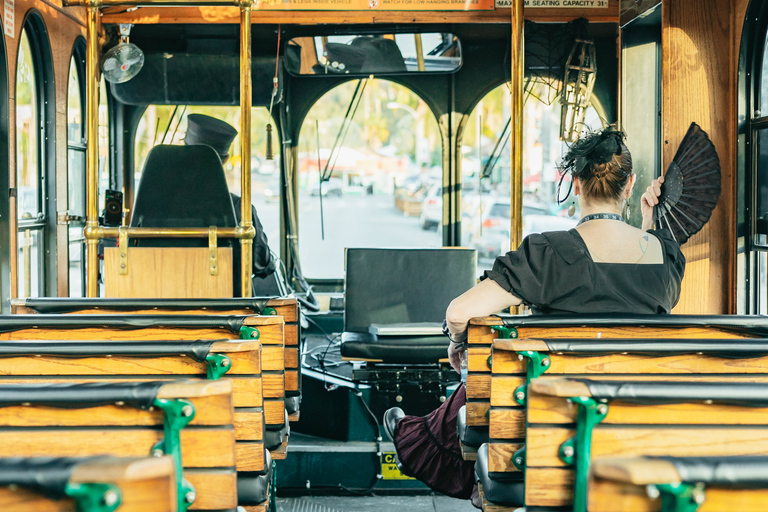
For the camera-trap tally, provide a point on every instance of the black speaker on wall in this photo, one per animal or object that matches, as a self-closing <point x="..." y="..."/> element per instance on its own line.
<point x="113" y="208"/>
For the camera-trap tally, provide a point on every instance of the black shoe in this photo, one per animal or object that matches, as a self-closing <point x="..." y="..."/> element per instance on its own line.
<point x="391" y="418"/>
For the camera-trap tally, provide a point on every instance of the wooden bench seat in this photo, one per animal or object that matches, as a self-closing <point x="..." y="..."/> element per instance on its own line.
<point x="64" y="484"/>
<point x="192" y="421"/>
<point x="286" y="307"/>
<point x="704" y="484"/>
<point x="573" y="421"/>
<point x="268" y="330"/>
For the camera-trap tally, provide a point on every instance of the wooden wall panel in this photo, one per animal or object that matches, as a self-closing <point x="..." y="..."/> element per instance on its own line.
<point x="64" y="25"/>
<point x="699" y="82"/>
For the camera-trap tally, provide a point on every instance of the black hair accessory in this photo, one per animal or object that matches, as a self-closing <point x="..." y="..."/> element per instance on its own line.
<point x="595" y="148"/>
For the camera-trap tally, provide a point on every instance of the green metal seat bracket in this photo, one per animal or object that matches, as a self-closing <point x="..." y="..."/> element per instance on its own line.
<point x="518" y="459"/>
<point x="217" y="365"/>
<point x="678" y="497"/>
<point x="537" y="364"/>
<point x="94" y="497"/>
<point x="177" y="413"/>
<point x="249" y="333"/>
<point x="269" y="312"/>
<point x="506" y="333"/>
<point x="578" y="450"/>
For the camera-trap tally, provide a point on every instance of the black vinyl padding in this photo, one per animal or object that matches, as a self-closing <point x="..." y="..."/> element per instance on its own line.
<point x="473" y="436"/>
<point x="252" y="486"/>
<point x="275" y="435"/>
<point x="197" y="350"/>
<point x="508" y="489"/>
<point x="74" y="396"/>
<point x="44" y="475"/>
<point x="729" y="347"/>
<point x="745" y="394"/>
<point x="394" y="349"/>
<point x="20" y="322"/>
<point x="745" y="324"/>
<point x="67" y="305"/>
<point x="740" y="471"/>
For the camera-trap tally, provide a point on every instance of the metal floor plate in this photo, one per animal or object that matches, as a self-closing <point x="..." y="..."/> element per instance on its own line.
<point x="374" y="504"/>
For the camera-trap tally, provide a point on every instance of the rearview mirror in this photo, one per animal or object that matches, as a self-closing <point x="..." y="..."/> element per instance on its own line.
<point x="378" y="54"/>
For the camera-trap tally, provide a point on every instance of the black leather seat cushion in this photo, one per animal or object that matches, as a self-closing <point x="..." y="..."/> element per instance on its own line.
<point x="91" y="394"/>
<point x="292" y="404"/>
<point x="44" y="475"/>
<point x="746" y="394"/>
<point x="68" y="305"/>
<point x="470" y="436"/>
<point x="197" y="350"/>
<point x="253" y="487"/>
<point x="728" y="347"/>
<point x="20" y="322"/>
<point x="500" y="488"/>
<point x="394" y="349"/>
<point x="274" y="435"/>
<point x="741" y="471"/>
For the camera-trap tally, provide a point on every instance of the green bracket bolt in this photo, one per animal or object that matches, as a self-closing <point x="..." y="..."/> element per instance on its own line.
<point x="518" y="459"/>
<point x="489" y="362"/>
<point x="578" y="449"/>
<point x="249" y="333"/>
<point x="537" y="364"/>
<point x="94" y="497"/>
<point x="269" y="312"/>
<point x="273" y="488"/>
<point x="506" y="333"/>
<point x="178" y="413"/>
<point x="217" y="365"/>
<point x="678" y="497"/>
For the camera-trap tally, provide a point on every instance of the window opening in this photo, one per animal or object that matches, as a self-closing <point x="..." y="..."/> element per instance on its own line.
<point x="265" y="174"/>
<point x="76" y="154"/>
<point x="385" y="189"/>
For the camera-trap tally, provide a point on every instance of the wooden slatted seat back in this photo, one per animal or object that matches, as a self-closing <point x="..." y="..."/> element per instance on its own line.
<point x="132" y="484"/>
<point x="268" y="330"/>
<point x="285" y="307"/>
<point x="574" y="421"/>
<point x="101" y="361"/>
<point x="65" y="420"/>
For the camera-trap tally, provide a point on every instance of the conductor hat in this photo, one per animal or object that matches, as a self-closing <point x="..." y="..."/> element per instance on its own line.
<point x="207" y="130"/>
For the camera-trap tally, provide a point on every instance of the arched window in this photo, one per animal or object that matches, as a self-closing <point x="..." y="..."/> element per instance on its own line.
<point x="380" y="164"/>
<point x="76" y="151"/>
<point x="486" y="173"/>
<point x="34" y="186"/>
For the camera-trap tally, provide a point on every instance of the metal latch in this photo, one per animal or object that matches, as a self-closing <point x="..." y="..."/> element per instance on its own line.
<point x="64" y="218"/>
<point x="122" y="244"/>
<point x="213" y="250"/>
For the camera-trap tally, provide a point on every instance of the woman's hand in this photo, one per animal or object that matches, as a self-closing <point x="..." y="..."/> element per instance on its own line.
<point x="650" y="199"/>
<point x="454" y="356"/>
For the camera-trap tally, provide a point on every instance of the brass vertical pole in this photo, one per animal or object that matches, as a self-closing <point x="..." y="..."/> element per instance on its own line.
<point x="516" y="140"/>
<point x="246" y="222"/>
<point x="92" y="153"/>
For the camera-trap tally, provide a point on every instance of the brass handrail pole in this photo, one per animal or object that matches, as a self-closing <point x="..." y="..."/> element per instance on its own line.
<point x="246" y="99"/>
<point x="92" y="152"/>
<point x="516" y="140"/>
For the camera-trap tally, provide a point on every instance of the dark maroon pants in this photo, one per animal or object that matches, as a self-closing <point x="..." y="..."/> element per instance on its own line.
<point x="428" y="448"/>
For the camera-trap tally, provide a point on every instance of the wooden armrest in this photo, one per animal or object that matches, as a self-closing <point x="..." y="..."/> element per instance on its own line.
<point x="564" y="388"/>
<point x="112" y="469"/>
<point x="520" y="345"/>
<point x="636" y="470"/>
<point x="486" y="320"/>
<point x="195" y="388"/>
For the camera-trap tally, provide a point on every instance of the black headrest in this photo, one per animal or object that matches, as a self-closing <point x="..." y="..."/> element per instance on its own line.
<point x="741" y="471"/>
<point x="90" y="394"/>
<point x="68" y="305"/>
<point x="45" y="475"/>
<point x="745" y="394"/>
<point x="183" y="186"/>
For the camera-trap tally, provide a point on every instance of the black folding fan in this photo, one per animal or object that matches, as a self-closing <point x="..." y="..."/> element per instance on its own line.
<point x="691" y="186"/>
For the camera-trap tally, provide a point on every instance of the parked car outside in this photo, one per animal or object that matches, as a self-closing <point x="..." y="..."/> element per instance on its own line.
<point x="432" y="209"/>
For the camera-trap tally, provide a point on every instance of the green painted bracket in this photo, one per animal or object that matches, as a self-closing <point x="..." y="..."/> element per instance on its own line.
<point x="249" y="333"/>
<point x="678" y="497"/>
<point x="177" y="413"/>
<point x="94" y="497"/>
<point x="537" y="364"/>
<point x="269" y="312"/>
<point x="273" y="488"/>
<point x="578" y="450"/>
<point x="489" y="362"/>
<point x="507" y="333"/>
<point x="217" y="365"/>
<point x="518" y="459"/>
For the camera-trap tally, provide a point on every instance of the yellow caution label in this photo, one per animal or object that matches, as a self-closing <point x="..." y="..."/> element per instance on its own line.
<point x="389" y="469"/>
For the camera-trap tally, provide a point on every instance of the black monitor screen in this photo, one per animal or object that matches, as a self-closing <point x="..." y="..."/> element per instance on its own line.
<point x="395" y="286"/>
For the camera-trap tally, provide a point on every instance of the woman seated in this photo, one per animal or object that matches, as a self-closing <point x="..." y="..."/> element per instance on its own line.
<point x="604" y="265"/>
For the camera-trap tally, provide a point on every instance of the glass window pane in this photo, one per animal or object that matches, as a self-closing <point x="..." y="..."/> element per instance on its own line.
<point x="29" y="262"/>
<point x="157" y="126"/>
<point x="384" y="178"/>
<point x="763" y="86"/>
<point x="103" y="142"/>
<point x="761" y="198"/>
<point x="486" y="202"/>
<point x="27" y="137"/>
<point x="74" y="105"/>
<point x="76" y="257"/>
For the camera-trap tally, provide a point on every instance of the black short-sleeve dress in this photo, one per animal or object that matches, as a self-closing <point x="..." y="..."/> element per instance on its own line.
<point x="554" y="273"/>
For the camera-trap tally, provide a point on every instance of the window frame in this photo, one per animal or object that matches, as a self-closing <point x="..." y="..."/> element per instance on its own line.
<point x="78" y="56"/>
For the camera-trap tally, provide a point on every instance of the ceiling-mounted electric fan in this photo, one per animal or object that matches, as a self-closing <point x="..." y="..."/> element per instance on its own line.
<point x="123" y="61"/>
